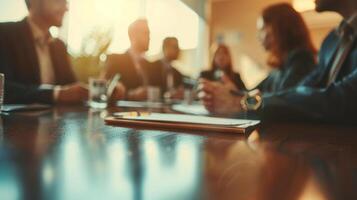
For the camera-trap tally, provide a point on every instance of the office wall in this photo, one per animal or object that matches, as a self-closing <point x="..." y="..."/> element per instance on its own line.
<point x="235" y="21"/>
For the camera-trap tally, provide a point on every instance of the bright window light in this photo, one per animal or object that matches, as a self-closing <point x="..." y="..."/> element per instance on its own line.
<point x="304" y="5"/>
<point x="172" y="18"/>
<point x="165" y="17"/>
<point x="12" y="10"/>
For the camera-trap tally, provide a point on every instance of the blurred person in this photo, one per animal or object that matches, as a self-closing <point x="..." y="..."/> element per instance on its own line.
<point x="291" y="54"/>
<point x="328" y="94"/>
<point x="168" y="78"/>
<point x="222" y="65"/>
<point x="36" y="66"/>
<point x="132" y="66"/>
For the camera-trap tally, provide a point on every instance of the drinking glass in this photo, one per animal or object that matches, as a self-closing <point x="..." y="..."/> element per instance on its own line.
<point x="98" y="93"/>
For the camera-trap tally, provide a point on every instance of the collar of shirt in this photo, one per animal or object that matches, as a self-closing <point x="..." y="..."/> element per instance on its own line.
<point x="137" y="57"/>
<point x="41" y="37"/>
<point x="351" y="23"/>
<point x="166" y="63"/>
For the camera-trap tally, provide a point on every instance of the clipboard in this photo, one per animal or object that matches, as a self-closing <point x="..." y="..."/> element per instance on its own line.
<point x="180" y="122"/>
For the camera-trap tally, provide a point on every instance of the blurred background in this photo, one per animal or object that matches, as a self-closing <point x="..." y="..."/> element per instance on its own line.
<point x="94" y="28"/>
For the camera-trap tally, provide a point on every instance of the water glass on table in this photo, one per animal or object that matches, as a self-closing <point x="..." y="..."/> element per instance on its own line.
<point x="98" y="97"/>
<point x="154" y="94"/>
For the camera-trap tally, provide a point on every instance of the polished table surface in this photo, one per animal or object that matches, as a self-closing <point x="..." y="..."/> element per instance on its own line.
<point x="69" y="153"/>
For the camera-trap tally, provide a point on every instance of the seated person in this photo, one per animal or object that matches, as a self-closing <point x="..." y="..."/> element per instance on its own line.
<point x="222" y="65"/>
<point x="291" y="54"/>
<point x="169" y="79"/>
<point x="132" y="66"/>
<point x="36" y="66"/>
<point x="328" y="94"/>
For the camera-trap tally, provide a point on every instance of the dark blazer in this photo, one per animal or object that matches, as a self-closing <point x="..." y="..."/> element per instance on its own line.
<point x="298" y="64"/>
<point x="313" y="100"/>
<point x="20" y="65"/>
<point x="159" y="75"/>
<point x="235" y="77"/>
<point x="124" y="65"/>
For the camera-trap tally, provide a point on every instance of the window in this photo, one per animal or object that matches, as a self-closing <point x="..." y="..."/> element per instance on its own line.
<point x="112" y="17"/>
<point x="165" y="17"/>
<point x="12" y="10"/>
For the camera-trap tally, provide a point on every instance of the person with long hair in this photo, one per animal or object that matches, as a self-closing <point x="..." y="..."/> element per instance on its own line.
<point x="291" y="54"/>
<point x="328" y="94"/>
<point x="222" y="65"/>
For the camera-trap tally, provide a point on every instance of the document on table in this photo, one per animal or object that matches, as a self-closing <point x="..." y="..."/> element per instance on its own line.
<point x="181" y="121"/>
<point x="139" y="104"/>
<point x="195" y="109"/>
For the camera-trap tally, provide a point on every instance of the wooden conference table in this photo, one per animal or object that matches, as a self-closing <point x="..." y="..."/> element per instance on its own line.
<point x="69" y="153"/>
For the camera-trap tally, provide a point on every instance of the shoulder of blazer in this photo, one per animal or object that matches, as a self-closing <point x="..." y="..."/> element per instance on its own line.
<point x="14" y="27"/>
<point x="6" y="27"/>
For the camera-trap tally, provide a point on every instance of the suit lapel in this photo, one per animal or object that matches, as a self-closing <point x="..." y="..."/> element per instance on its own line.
<point x="328" y="60"/>
<point x="55" y="65"/>
<point x="332" y="54"/>
<point x="32" y="67"/>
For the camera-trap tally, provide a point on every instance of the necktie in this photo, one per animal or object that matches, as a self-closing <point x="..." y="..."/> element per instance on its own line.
<point x="347" y="39"/>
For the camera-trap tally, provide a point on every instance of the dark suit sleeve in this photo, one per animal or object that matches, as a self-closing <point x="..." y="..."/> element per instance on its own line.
<point x="16" y="92"/>
<point x="336" y="103"/>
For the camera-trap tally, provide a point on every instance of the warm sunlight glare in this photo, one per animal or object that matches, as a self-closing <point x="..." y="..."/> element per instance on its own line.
<point x="304" y="5"/>
<point x="166" y="18"/>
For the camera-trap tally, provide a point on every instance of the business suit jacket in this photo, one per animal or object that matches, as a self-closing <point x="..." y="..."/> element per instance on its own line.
<point x="124" y="65"/>
<point x="297" y="66"/>
<point x="313" y="100"/>
<point x="159" y="75"/>
<point x="235" y="77"/>
<point x="19" y="63"/>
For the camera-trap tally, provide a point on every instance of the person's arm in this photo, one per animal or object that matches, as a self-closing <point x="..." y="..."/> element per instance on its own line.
<point x="336" y="103"/>
<point x="15" y="92"/>
<point x="20" y="93"/>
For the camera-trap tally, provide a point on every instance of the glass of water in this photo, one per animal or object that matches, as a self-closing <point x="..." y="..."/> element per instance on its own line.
<point x="154" y="94"/>
<point x="98" y="93"/>
<point x="2" y="79"/>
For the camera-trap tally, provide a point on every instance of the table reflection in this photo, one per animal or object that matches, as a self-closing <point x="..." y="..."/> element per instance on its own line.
<point x="69" y="153"/>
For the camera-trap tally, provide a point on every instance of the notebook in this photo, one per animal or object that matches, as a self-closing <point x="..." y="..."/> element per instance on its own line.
<point x="187" y="122"/>
<point x="194" y="109"/>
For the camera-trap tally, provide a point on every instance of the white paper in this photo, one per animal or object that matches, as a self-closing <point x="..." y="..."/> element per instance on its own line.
<point x="190" y="119"/>
<point x="195" y="109"/>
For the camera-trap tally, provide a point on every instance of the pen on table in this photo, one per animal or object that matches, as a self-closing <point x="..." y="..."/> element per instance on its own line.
<point x="112" y="85"/>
